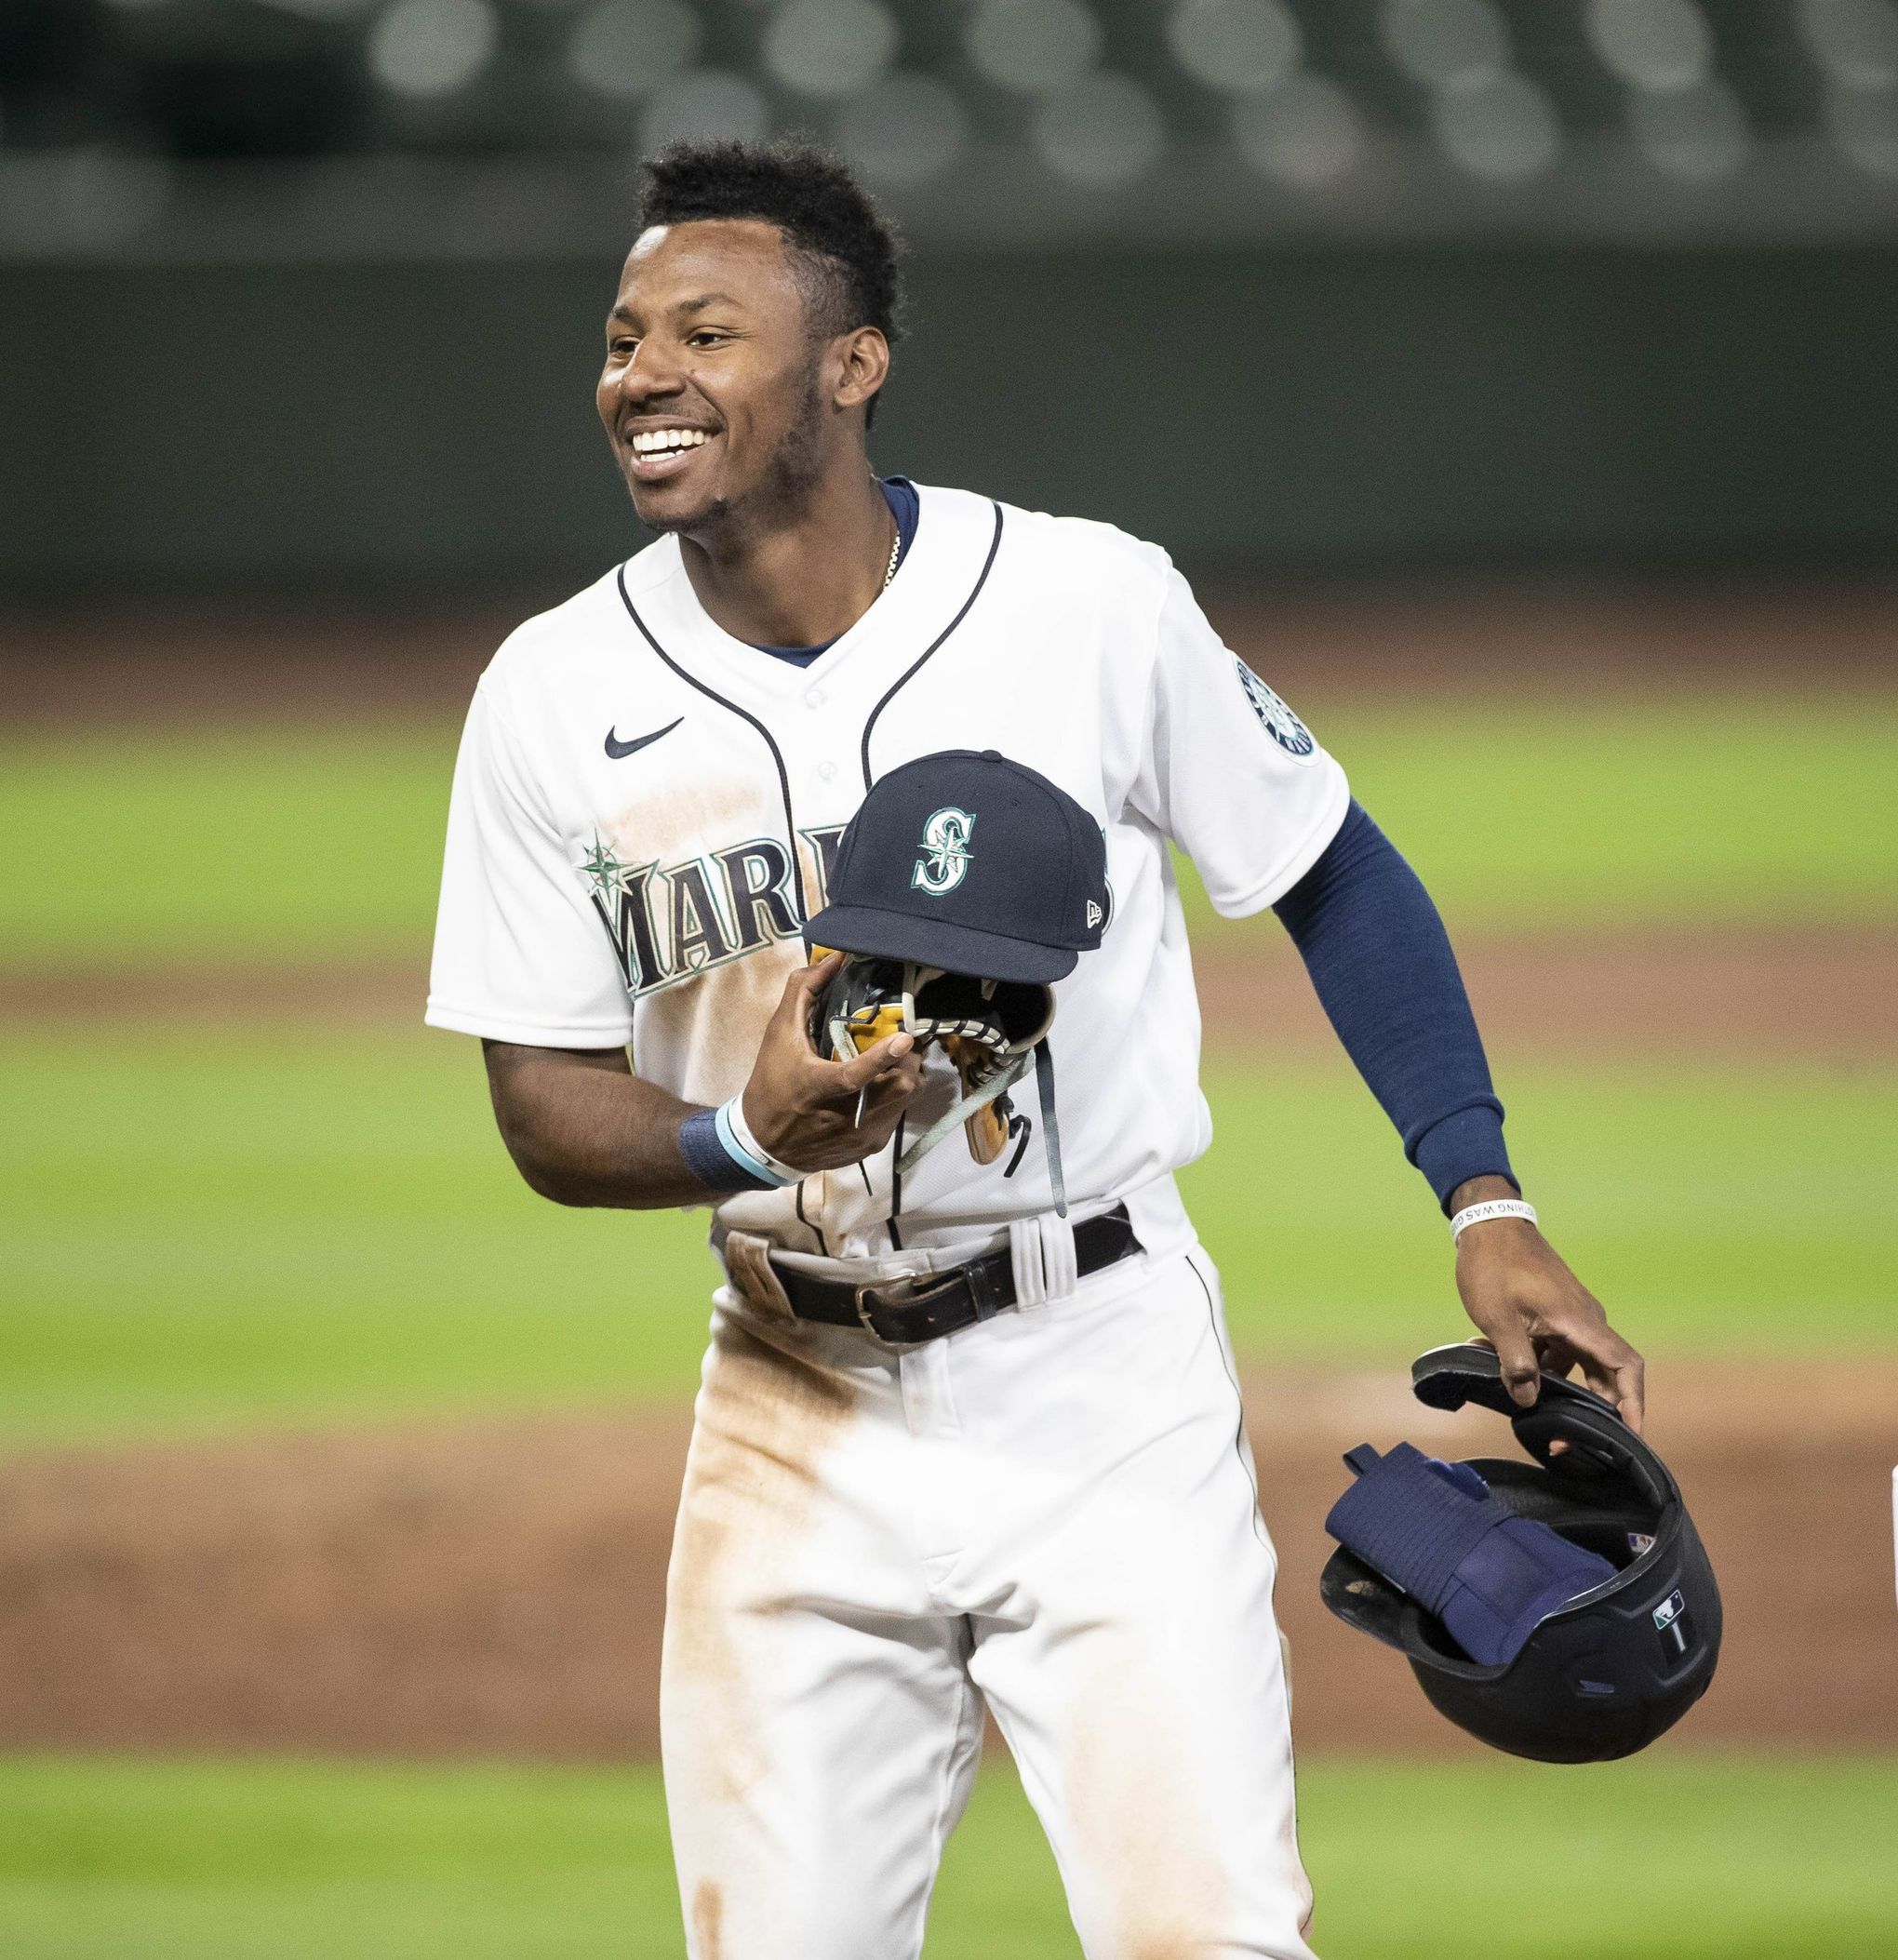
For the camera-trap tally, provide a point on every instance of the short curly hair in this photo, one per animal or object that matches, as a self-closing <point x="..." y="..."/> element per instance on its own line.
<point x="847" y="253"/>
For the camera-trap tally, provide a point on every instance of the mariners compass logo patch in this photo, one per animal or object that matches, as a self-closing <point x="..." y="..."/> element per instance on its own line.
<point x="944" y="861"/>
<point x="1280" y="722"/>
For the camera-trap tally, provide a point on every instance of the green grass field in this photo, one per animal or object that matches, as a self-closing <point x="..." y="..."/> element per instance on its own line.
<point x="1665" y="1858"/>
<point x="321" y="843"/>
<point x="205" y="1228"/>
<point x="197" y="1231"/>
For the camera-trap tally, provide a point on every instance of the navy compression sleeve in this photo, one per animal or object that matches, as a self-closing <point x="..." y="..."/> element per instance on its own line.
<point x="1381" y="961"/>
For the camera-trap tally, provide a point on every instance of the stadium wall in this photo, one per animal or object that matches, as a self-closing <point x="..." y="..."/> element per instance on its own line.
<point x="288" y="426"/>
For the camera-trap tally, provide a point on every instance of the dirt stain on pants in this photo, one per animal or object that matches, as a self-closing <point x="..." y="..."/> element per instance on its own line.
<point x="708" y="1922"/>
<point x="768" y="1412"/>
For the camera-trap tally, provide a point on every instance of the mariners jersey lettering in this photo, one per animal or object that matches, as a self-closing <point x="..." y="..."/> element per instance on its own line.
<point x="646" y="810"/>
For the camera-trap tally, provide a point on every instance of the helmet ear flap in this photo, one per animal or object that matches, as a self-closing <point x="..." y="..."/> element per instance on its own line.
<point x="1584" y="1453"/>
<point x="1598" y="1441"/>
<point x="1599" y="1447"/>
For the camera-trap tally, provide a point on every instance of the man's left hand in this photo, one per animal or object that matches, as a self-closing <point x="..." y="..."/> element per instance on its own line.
<point x="1537" y="1315"/>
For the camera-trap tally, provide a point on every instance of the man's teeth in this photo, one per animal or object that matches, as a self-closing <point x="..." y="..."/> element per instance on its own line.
<point x="667" y="442"/>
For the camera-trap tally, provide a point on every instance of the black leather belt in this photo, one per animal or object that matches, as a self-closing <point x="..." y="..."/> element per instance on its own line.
<point x="901" y="1311"/>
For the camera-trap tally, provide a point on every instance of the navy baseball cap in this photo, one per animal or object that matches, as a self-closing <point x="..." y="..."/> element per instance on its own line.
<point x="970" y="863"/>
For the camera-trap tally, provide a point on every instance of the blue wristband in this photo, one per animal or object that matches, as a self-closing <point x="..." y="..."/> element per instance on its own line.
<point x="745" y="1159"/>
<point x="708" y="1159"/>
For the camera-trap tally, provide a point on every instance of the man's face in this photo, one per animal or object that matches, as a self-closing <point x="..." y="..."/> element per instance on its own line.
<point x="710" y="388"/>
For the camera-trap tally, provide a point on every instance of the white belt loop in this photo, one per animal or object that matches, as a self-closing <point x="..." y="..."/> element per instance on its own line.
<point x="1041" y="1251"/>
<point x="1059" y="1266"/>
<point x="1024" y="1257"/>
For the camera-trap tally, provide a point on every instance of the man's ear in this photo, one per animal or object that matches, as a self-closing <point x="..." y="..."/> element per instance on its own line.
<point x="862" y="365"/>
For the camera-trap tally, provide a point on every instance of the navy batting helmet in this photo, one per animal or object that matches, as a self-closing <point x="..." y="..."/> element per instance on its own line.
<point x="1563" y="1608"/>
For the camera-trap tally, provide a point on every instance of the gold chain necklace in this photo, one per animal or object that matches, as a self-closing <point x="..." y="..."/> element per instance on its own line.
<point x="895" y="553"/>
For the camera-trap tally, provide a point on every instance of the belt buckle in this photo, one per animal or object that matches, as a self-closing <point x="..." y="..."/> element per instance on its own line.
<point x="912" y="1297"/>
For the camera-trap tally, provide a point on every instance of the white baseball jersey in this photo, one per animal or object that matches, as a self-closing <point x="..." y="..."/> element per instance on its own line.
<point x="645" y="810"/>
<point x="1050" y="1514"/>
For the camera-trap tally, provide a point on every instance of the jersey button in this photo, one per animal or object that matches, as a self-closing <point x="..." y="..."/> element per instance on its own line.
<point x="825" y="771"/>
<point x="813" y="697"/>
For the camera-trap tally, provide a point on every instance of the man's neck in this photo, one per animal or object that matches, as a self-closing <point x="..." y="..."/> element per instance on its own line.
<point x="803" y="579"/>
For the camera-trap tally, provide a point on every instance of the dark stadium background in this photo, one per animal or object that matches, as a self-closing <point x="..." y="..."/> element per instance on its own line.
<point x="328" y="304"/>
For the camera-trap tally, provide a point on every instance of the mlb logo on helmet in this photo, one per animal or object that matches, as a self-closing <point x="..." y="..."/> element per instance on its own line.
<point x="1670" y="1622"/>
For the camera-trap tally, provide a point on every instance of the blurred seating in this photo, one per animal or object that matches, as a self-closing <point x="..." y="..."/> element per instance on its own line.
<point x="1199" y="117"/>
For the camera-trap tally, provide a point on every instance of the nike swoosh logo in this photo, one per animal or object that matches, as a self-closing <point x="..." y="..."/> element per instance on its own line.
<point x="618" y="750"/>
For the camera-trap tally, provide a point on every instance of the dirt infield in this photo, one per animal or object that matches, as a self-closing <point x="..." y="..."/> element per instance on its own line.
<point x="1821" y="996"/>
<point x="496" y="1589"/>
<point x="1712" y="994"/>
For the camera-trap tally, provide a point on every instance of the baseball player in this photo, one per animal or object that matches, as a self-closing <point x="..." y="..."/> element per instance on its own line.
<point x="888" y="1527"/>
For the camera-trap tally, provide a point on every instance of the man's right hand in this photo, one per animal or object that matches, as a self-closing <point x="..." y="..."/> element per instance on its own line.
<point x="801" y="1105"/>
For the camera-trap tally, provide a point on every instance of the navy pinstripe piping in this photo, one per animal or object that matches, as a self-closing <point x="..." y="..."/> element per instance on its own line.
<point x="903" y="679"/>
<point x="1239" y="1431"/>
<point x="744" y="715"/>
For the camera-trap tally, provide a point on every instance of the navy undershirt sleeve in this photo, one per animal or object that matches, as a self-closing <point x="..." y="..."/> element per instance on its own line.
<point x="1380" y="961"/>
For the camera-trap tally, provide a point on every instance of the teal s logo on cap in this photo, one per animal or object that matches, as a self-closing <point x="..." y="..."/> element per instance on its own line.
<point x="944" y="862"/>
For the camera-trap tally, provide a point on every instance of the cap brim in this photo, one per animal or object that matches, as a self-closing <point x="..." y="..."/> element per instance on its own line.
<point x="936" y="942"/>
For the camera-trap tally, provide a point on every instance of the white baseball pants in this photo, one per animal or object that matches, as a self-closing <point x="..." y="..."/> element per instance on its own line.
<point x="1052" y="1514"/>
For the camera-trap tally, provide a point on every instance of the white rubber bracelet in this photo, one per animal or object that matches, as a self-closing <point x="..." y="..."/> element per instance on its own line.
<point x="734" y="1133"/>
<point x="1480" y="1214"/>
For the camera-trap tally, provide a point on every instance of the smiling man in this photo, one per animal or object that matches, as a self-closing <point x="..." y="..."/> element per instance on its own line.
<point x="958" y="1446"/>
